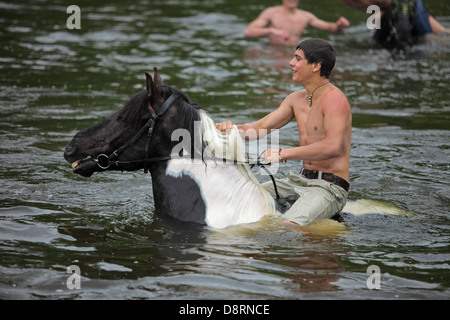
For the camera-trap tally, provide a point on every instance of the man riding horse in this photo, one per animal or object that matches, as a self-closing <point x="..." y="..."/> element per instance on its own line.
<point x="324" y="122"/>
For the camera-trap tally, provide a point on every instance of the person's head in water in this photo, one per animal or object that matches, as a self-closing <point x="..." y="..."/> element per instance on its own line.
<point x="319" y="51"/>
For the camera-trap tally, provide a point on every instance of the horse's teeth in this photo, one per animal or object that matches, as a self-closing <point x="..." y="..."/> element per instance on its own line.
<point x="75" y="163"/>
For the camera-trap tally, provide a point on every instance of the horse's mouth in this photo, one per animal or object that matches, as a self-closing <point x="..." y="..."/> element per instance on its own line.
<point x="84" y="166"/>
<point x="75" y="164"/>
<point x="80" y="162"/>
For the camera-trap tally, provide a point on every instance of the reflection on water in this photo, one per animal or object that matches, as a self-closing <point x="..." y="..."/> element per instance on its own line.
<point x="56" y="81"/>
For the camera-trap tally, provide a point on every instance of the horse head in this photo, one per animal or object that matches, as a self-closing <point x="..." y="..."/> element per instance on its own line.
<point x="139" y="131"/>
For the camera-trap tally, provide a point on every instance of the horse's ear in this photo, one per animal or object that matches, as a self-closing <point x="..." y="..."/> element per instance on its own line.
<point x="157" y="77"/>
<point x="152" y="88"/>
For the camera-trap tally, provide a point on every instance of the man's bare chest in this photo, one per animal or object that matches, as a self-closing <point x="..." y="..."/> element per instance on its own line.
<point x="310" y="124"/>
<point x="293" y="23"/>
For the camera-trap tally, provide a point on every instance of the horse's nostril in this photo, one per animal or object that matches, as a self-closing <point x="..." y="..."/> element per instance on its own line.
<point x="70" y="150"/>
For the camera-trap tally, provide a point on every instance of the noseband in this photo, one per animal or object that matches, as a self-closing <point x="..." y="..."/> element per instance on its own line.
<point x="104" y="161"/>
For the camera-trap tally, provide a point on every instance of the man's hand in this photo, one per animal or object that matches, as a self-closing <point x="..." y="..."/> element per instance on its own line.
<point x="283" y="34"/>
<point x="342" y="23"/>
<point x="271" y="156"/>
<point x="224" y="126"/>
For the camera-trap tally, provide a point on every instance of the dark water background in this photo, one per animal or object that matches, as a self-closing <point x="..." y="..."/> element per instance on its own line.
<point x="56" y="81"/>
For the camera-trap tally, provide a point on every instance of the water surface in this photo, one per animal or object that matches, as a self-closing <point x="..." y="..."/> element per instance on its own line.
<point x="55" y="81"/>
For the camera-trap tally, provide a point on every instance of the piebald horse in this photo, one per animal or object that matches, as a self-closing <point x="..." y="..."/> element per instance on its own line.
<point x="199" y="173"/>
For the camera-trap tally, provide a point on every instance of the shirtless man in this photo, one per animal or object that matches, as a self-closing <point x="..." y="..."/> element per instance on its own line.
<point x="324" y="122"/>
<point x="284" y="24"/>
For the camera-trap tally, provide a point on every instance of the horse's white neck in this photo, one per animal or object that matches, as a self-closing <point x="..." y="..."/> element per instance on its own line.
<point x="230" y="196"/>
<point x="231" y="193"/>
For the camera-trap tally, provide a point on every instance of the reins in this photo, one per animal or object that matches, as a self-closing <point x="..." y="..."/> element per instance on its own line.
<point x="104" y="161"/>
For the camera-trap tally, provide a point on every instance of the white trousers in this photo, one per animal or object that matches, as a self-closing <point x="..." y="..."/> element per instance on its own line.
<point x="315" y="199"/>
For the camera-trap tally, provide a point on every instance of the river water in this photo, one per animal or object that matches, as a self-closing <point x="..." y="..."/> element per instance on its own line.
<point x="55" y="81"/>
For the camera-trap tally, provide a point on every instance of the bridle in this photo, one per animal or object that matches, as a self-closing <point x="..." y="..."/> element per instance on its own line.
<point x="104" y="161"/>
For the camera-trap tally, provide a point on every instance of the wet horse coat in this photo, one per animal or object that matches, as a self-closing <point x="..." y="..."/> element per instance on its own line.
<point x="190" y="187"/>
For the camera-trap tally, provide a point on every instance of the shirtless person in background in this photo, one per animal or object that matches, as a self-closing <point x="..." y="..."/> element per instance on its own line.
<point x="324" y="122"/>
<point x="284" y="24"/>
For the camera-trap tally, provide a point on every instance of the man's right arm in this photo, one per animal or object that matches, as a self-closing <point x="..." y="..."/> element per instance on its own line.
<point x="274" y="120"/>
<point x="260" y="27"/>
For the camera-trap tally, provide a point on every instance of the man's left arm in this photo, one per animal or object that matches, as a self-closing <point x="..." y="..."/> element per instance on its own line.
<point x="332" y="27"/>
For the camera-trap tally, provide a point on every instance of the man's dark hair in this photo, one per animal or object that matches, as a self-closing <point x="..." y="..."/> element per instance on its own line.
<point x="319" y="51"/>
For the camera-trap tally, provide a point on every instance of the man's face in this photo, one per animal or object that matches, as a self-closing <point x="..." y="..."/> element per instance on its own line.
<point x="299" y="66"/>
<point x="291" y="3"/>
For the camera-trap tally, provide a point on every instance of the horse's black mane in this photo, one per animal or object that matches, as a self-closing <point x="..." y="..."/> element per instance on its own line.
<point x="130" y="112"/>
<point x="188" y="112"/>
